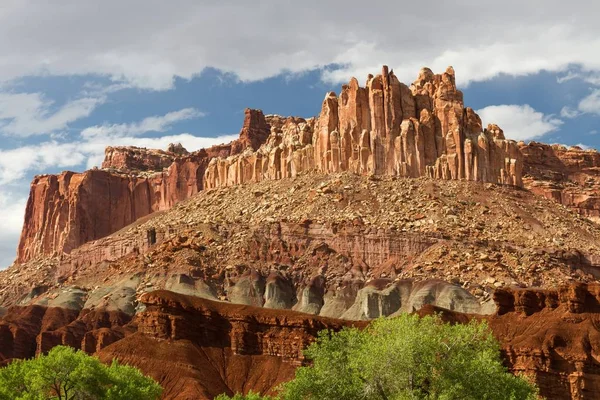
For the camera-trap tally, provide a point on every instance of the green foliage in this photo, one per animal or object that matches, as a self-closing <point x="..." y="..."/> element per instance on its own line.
<point x="238" y="396"/>
<point x="67" y="374"/>
<point x="407" y="358"/>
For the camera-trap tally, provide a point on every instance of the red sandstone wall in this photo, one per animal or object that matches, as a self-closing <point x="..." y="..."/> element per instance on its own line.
<point x="66" y="210"/>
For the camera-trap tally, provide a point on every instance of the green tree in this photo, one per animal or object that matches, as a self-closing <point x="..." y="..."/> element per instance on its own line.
<point x="407" y="358"/>
<point x="67" y="374"/>
<point x="250" y="396"/>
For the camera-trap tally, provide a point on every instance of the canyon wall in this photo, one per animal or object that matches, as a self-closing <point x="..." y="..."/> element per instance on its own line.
<point x="67" y="210"/>
<point x="570" y="176"/>
<point x="385" y="128"/>
<point x="548" y="335"/>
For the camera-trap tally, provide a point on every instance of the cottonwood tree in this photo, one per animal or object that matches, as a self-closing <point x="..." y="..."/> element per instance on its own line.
<point x="67" y="374"/>
<point x="407" y="357"/>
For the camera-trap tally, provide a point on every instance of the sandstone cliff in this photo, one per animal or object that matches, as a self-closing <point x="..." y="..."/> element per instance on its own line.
<point x="197" y="348"/>
<point x="570" y="176"/>
<point x="385" y="128"/>
<point x="64" y="211"/>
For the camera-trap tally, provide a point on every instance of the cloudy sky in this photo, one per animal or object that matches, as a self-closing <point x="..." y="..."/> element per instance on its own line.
<point x="76" y="76"/>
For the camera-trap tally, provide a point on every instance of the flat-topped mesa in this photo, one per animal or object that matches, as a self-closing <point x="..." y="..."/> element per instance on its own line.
<point x="385" y="128"/>
<point x="67" y="210"/>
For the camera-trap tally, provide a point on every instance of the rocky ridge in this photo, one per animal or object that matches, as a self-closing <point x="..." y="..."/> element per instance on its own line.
<point x="387" y="129"/>
<point x="383" y="129"/>
<point x="334" y="245"/>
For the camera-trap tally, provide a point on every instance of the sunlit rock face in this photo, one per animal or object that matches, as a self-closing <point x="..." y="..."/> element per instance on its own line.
<point x="384" y="128"/>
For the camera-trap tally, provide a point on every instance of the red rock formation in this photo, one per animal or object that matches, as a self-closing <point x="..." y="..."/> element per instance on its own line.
<point x="571" y="176"/>
<point x="134" y="158"/>
<point x="241" y="349"/>
<point x="254" y="133"/>
<point x="27" y="331"/>
<point x="383" y="129"/>
<point x="197" y="348"/>
<point x="550" y="335"/>
<point x="64" y="211"/>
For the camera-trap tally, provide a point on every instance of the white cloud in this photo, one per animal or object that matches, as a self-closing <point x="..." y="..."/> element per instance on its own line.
<point x="591" y="77"/>
<point x="591" y="103"/>
<point x="568" y="112"/>
<point x="584" y="146"/>
<point x="88" y="149"/>
<point x="149" y="124"/>
<point x="27" y="114"/>
<point x="85" y="152"/>
<point x="12" y="211"/>
<point x="147" y="44"/>
<point x="519" y="122"/>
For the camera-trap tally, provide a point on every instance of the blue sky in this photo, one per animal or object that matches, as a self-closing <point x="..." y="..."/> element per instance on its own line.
<point x="77" y="76"/>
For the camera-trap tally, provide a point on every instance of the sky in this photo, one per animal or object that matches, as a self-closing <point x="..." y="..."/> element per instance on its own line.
<point x="78" y="76"/>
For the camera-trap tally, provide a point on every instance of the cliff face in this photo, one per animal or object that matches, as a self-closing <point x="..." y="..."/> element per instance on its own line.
<point x="197" y="348"/>
<point x="552" y="336"/>
<point x="64" y="211"/>
<point x="385" y="128"/>
<point x="570" y="176"/>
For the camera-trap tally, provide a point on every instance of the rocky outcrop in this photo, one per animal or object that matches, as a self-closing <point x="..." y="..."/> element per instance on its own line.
<point x="67" y="210"/>
<point x="385" y="128"/>
<point x="198" y="348"/>
<point x="137" y="159"/>
<point x="30" y="330"/>
<point x="553" y="337"/>
<point x="570" y="176"/>
<point x="212" y="347"/>
<point x="313" y="242"/>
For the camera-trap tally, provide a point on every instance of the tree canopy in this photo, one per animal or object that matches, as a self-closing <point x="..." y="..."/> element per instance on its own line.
<point x="250" y="396"/>
<point x="68" y="374"/>
<point x="407" y="357"/>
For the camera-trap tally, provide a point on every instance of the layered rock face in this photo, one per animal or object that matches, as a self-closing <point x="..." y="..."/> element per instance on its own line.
<point x="385" y="128"/>
<point x="195" y="348"/>
<point x="552" y="336"/>
<point x="570" y="176"/>
<point x="64" y="211"/>
<point x="198" y="348"/>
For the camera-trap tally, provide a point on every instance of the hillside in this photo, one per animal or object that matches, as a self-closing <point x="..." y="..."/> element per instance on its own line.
<point x="393" y="199"/>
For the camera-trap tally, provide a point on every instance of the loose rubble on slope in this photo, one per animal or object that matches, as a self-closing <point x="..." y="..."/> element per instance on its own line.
<point x="316" y="242"/>
<point x="394" y="199"/>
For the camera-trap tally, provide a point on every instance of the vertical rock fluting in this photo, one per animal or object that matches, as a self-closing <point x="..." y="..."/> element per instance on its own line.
<point x="385" y="128"/>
